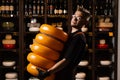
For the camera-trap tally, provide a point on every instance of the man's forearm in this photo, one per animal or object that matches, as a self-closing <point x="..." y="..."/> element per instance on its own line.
<point x="58" y="66"/>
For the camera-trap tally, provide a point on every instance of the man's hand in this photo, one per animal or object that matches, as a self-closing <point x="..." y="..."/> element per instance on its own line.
<point x="42" y="74"/>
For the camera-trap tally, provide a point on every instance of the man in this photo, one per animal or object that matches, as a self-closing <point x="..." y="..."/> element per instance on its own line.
<point x="74" y="49"/>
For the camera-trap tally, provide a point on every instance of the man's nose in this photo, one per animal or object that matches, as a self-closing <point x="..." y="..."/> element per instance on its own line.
<point x="75" y="19"/>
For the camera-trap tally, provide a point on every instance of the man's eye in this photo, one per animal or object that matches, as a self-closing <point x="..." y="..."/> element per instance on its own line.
<point x="76" y="17"/>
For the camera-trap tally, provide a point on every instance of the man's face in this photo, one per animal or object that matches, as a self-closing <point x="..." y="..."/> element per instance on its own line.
<point x="76" y="19"/>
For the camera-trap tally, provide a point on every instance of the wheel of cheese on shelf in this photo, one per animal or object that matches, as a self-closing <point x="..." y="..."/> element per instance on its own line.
<point x="44" y="51"/>
<point x="49" y="42"/>
<point x="53" y="31"/>
<point x="32" y="69"/>
<point x="40" y="61"/>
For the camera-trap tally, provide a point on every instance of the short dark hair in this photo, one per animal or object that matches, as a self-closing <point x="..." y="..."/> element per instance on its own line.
<point x="86" y="14"/>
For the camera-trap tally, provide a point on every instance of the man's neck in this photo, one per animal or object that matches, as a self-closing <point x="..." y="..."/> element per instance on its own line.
<point x="74" y="29"/>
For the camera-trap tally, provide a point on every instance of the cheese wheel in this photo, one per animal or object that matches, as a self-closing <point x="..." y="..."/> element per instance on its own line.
<point x="6" y="41"/>
<point x="49" y="42"/>
<point x="39" y="61"/>
<point x="32" y="69"/>
<point x="8" y="36"/>
<point x="53" y="31"/>
<point x="44" y="51"/>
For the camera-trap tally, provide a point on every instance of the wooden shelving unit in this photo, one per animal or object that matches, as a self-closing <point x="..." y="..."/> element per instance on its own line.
<point x="94" y="55"/>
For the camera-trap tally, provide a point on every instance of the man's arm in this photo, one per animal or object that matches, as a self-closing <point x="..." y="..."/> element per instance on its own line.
<point x="58" y="66"/>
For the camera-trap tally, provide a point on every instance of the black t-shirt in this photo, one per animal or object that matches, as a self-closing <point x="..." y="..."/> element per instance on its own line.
<point x="73" y="51"/>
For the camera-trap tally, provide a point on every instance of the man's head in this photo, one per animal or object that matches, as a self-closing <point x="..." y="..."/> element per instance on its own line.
<point x="80" y="17"/>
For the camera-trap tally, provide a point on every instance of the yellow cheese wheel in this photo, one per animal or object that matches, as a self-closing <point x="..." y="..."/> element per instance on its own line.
<point x="53" y="31"/>
<point x="44" y="51"/>
<point x="40" y="61"/>
<point x="32" y="69"/>
<point x="49" y="42"/>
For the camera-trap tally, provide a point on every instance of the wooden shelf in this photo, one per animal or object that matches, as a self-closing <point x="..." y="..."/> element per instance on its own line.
<point x="23" y="36"/>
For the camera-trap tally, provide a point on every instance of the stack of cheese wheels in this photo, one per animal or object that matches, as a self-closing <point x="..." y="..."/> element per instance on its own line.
<point x="46" y="49"/>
